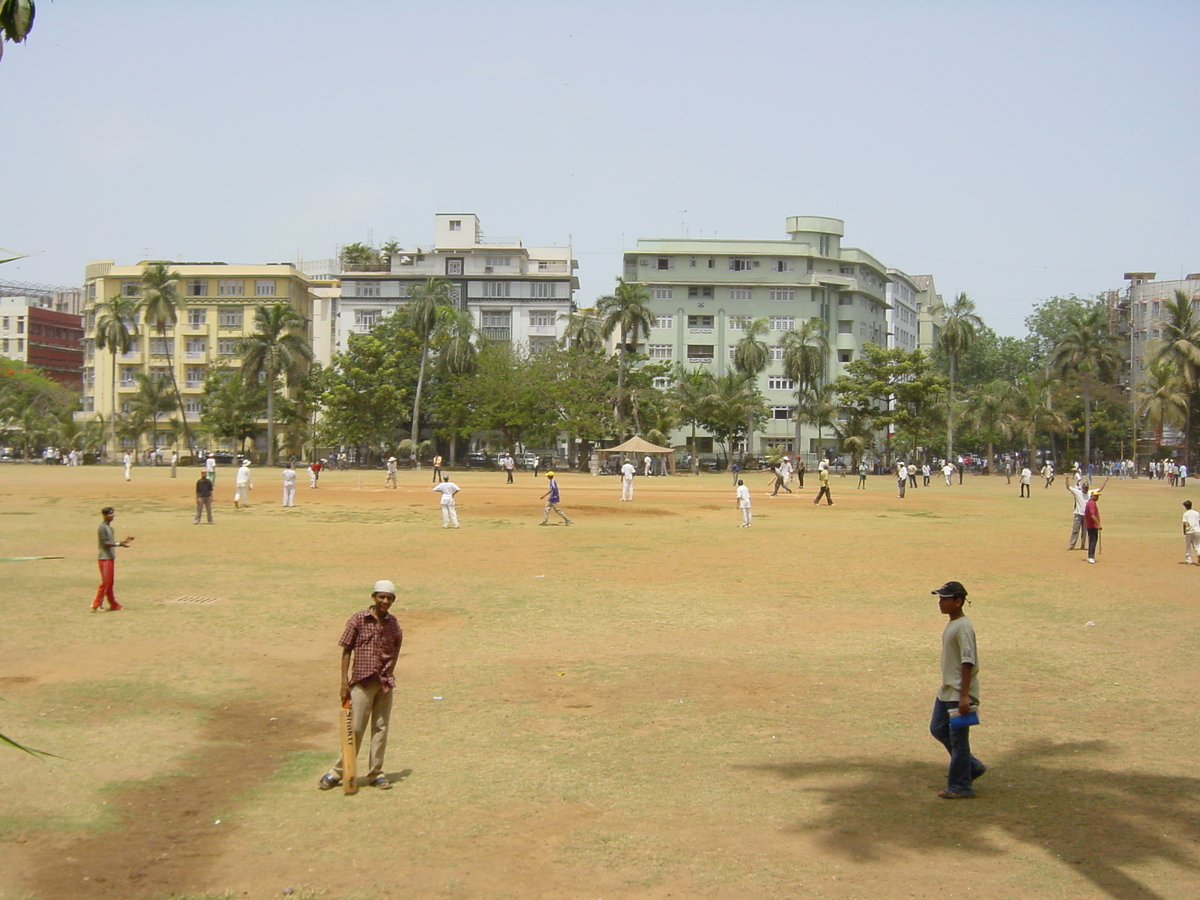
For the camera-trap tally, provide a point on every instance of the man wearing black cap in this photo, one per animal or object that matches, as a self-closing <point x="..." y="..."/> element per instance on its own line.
<point x="959" y="694"/>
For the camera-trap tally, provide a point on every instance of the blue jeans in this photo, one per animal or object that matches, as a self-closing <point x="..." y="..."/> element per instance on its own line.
<point x="964" y="767"/>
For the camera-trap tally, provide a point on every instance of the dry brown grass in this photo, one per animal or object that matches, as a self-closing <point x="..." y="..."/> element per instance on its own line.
<point x="649" y="703"/>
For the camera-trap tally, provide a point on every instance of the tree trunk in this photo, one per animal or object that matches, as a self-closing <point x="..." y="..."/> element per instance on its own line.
<point x="115" y="445"/>
<point x="950" y="410"/>
<point x="1087" y="423"/>
<point x="270" y="418"/>
<point x="416" y="422"/>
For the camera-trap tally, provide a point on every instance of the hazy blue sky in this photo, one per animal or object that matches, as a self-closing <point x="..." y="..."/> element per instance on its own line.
<point x="1014" y="150"/>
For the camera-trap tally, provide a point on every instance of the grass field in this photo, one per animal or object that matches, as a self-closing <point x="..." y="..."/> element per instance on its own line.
<point x="650" y="703"/>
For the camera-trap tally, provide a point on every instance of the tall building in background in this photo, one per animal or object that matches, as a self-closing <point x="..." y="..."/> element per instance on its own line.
<point x="903" y="311"/>
<point x="1144" y="308"/>
<point x="705" y="292"/>
<point x="219" y="307"/>
<point x="517" y="294"/>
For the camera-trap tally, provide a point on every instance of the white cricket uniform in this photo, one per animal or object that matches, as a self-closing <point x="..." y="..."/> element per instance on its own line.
<point x="627" y="473"/>
<point x="289" y="486"/>
<point x="449" y="512"/>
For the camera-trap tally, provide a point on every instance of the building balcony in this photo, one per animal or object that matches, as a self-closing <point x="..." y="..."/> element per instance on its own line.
<point x="195" y="354"/>
<point x="495" y="333"/>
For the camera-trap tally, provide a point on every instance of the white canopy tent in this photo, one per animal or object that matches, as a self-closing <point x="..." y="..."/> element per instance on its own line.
<point x="636" y="448"/>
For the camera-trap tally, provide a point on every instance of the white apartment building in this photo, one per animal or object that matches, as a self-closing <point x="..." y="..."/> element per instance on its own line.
<point x="706" y="291"/>
<point x="931" y="315"/>
<point x="902" y="314"/>
<point x="1145" y="301"/>
<point x="517" y="294"/>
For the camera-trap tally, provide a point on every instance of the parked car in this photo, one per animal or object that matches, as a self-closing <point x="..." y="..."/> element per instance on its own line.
<point x="480" y="460"/>
<point x="527" y="460"/>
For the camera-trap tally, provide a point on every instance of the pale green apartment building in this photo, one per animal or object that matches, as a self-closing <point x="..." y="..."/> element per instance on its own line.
<point x="704" y="292"/>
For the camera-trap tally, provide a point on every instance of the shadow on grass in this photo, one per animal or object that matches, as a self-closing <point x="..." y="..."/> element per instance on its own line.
<point x="1043" y="794"/>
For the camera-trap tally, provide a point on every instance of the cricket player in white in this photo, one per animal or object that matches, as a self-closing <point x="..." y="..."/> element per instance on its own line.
<point x="627" y="473"/>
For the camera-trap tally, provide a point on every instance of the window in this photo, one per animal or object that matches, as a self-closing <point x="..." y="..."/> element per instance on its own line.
<point x="366" y="318"/>
<point x="227" y="346"/>
<point x="845" y="270"/>
<point x="541" y="345"/>
<point x="784" y="265"/>
<point x="197" y="318"/>
<point x="495" y="318"/>
<point x="782" y="323"/>
<point x="844" y="356"/>
<point x="368" y="290"/>
<point x="664" y="321"/>
<point x="128" y="376"/>
<point x="4" y="346"/>
<point x="542" y="290"/>
<point x="135" y="347"/>
<point x="498" y="261"/>
<point x="20" y="325"/>
<point x="496" y="289"/>
<point x="161" y="346"/>
<point x="456" y="225"/>
<point x="692" y="264"/>
<point x="196" y="347"/>
<point x="741" y="294"/>
<point x="454" y="265"/>
<point x="732" y="351"/>
<point x="160" y="373"/>
<point x="230" y="318"/>
<point x="845" y="300"/>
<point x="231" y="288"/>
<point x="662" y="383"/>
<point x="739" y="263"/>
<point x="664" y="262"/>
<point x="541" y="318"/>
<point x="193" y="405"/>
<point x="662" y="293"/>
<point x="845" y="327"/>
<point x="712" y="262"/>
<point x="700" y="352"/>
<point x="782" y="412"/>
<point x="700" y="321"/>
<point x="779" y="383"/>
<point x="194" y="377"/>
<point x="695" y="291"/>
<point x="130" y="289"/>
<point x="777" y="353"/>
<point x="197" y="287"/>
<point x="661" y="351"/>
<point x="783" y="295"/>
<point x="264" y="287"/>
<point x="739" y="323"/>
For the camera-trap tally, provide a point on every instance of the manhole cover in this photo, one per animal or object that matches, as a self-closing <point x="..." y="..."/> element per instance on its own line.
<point x="195" y="601"/>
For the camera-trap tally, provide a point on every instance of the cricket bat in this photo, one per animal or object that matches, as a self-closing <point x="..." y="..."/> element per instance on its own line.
<point x="349" y="751"/>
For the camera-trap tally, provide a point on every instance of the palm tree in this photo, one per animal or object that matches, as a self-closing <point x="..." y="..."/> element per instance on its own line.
<point x="854" y="433"/>
<point x="750" y="357"/>
<point x="1090" y="350"/>
<point x="116" y="328"/>
<point x="688" y="393"/>
<point x="1179" y="349"/>
<point x="625" y="311"/>
<point x="1163" y="398"/>
<point x="805" y="351"/>
<point x="732" y="402"/>
<point x="161" y="305"/>
<point x="152" y="400"/>
<point x="459" y="356"/>
<point x="584" y="330"/>
<point x="822" y="409"/>
<point x="277" y="346"/>
<point x="1031" y="414"/>
<point x="428" y="305"/>
<point x="957" y="334"/>
<point x="388" y="250"/>
<point x="988" y="413"/>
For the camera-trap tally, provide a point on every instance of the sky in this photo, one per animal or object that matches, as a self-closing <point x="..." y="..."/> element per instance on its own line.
<point x="1014" y="150"/>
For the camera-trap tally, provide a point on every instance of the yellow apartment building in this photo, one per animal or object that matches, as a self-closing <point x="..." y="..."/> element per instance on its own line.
<point x="219" y="302"/>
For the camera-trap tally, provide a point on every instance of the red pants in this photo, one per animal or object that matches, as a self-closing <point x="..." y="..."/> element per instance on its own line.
<point x="106" y="585"/>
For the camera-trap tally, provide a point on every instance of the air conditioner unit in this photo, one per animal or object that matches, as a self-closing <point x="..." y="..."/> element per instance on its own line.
<point x="487" y="268"/>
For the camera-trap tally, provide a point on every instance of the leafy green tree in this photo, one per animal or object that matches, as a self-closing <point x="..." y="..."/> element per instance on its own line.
<point x="16" y="21"/>
<point x="893" y="386"/>
<point x="116" y="329"/>
<point x="31" y="404"/>
<point x="584" y="330"/>
<point x="367" y="392"/>
<point x="429" y="306"/>
<point x="579" y="385"/>
<point x="956" y="335"/>
<point x="387" y="251"/>
<point x="805" y="358"/>
<point x="689" y="390"/>
<point x="1163" y="397"/>
<point x="359" y="254"/>
<point x="626" y="312"/>
<point x="1049" y="322"/>
<point x="161" y="305"/>
<point x="277" y="346"/>
<point x="854" y="434"/>
<point x="232" y="408"/>
<point x="1091" y="351"/>
<point x="988" y="358"/>
<point x="989" y="410"/>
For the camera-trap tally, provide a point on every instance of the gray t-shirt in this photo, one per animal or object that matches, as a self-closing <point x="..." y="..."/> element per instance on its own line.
<point x="106" y="537"/>
<point x="958" y="647"/>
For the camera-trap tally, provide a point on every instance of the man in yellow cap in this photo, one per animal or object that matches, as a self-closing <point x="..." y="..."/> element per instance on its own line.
<point x="552" y="499"/>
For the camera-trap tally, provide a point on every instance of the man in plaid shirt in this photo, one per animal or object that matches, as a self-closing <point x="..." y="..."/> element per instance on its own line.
<point x="370" y="645"/>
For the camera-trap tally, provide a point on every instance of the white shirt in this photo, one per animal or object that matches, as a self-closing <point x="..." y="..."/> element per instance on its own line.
<point x="243" y="475"/>
<point x="1080" y="499"/>
<point x="628" y="471"/>
<point x="743" y="497"/>
<point x="447" y="489"/>
<point x="1191" y="520"/>
<point x="210" y="464"/>
<point x="902" y="473"/>
<point x="508" y="462"/>
<point x="289" y="477"/>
